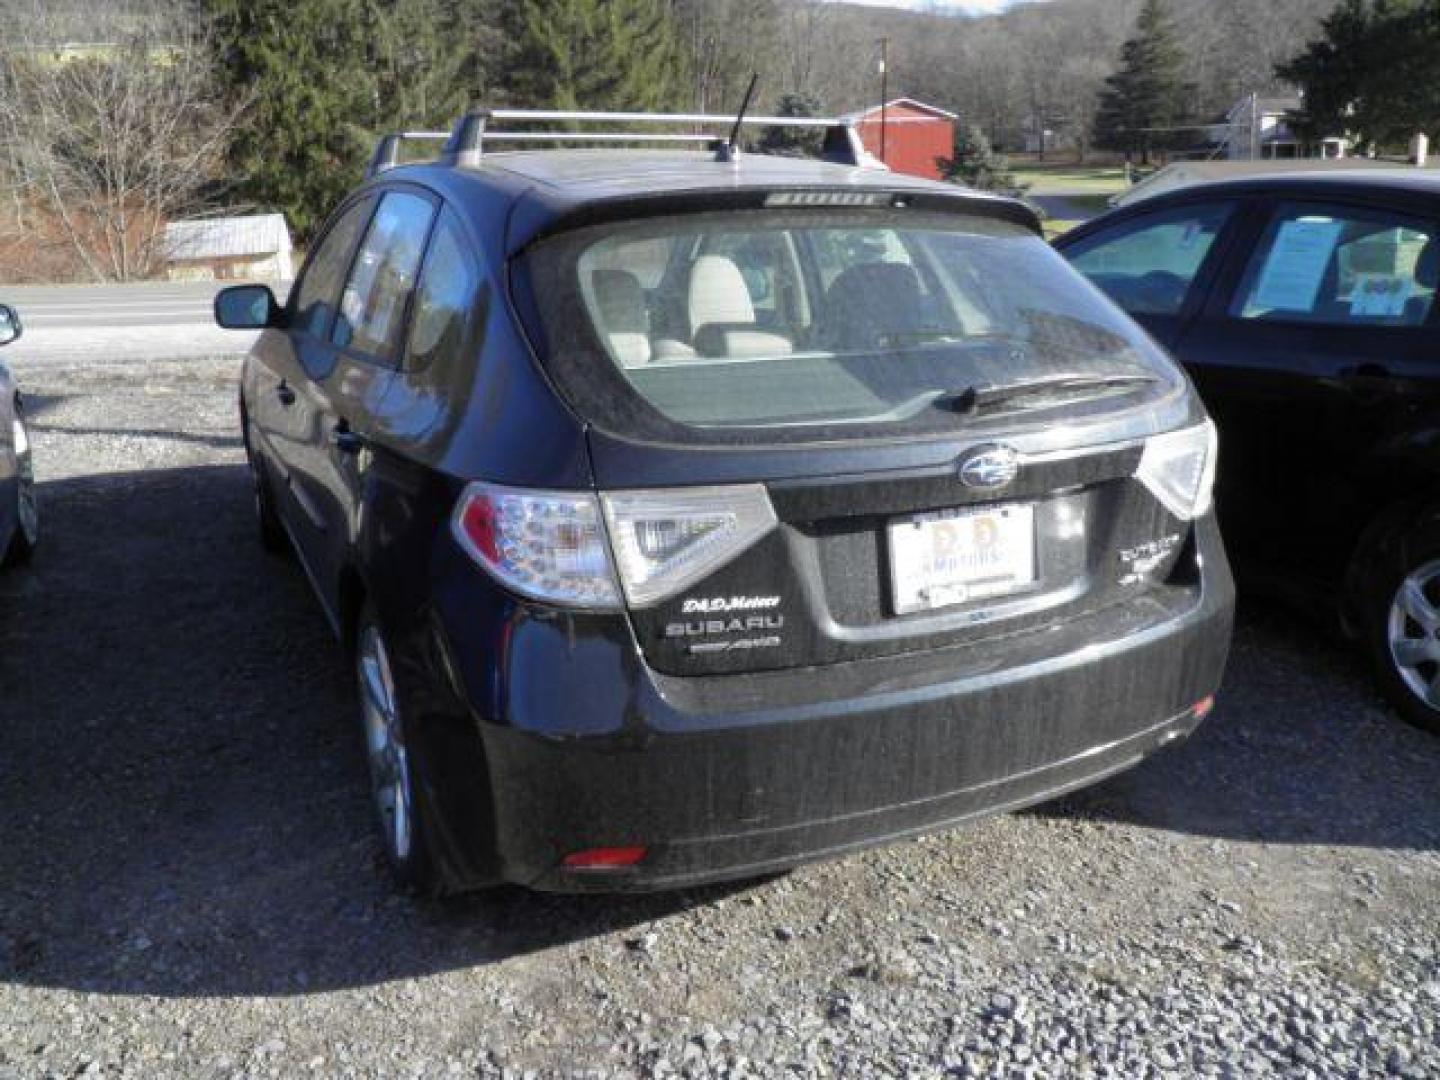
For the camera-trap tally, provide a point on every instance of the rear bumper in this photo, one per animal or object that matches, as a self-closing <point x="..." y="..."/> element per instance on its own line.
<point x="735" y="776"/>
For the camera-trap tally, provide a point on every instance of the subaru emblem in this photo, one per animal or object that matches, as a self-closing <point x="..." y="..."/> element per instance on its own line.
<point x="989" y="468"/>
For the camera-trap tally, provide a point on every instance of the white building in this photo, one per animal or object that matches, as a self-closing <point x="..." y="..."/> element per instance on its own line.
<point x="1258" y="128"/>
<point x="229" y="248"/>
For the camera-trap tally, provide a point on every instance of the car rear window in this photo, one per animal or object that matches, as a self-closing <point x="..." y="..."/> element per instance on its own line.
<point x="792" y="321"/>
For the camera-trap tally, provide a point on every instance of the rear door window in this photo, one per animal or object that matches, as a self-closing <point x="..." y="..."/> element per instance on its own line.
<point x="1341" y="266"/>
<point x="1149" y="264"/>
<point x="783" y="319"/>
<point x="372" y="307"/>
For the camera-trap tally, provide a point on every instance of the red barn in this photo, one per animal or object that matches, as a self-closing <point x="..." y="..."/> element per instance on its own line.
<point x="915" y="135"/>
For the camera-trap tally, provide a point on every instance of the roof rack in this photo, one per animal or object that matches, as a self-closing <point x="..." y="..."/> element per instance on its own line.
<point x="465" y="145"/>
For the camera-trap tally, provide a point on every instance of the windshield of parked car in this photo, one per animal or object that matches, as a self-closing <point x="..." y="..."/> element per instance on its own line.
<point x="803" y="319"/>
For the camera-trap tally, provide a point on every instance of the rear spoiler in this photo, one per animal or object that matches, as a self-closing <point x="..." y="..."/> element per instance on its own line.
<point x="535" y="218"/>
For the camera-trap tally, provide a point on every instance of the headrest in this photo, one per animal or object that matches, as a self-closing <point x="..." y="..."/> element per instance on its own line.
<point x="621" y="302"/>
<point x="872" y="302"/>
<point x="718" y="293"/>
<point x="881" y="283"/>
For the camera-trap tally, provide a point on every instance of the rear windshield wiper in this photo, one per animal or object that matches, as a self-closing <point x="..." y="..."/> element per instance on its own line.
<point x="975" y="399"/>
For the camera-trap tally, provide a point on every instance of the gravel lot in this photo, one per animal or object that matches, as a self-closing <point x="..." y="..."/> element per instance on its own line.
<point x="191" y="886"/>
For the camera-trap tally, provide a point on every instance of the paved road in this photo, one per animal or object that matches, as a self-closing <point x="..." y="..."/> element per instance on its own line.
<point x="96" y="323"/>
<point x="65" y="306"/>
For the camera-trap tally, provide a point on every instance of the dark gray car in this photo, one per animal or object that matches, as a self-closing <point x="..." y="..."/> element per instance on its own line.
<point x="19" y="513"/>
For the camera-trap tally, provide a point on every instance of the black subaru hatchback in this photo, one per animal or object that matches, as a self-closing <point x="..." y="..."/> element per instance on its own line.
<point x="691" y="515"/>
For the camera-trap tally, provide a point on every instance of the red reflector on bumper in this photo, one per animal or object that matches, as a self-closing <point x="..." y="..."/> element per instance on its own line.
<point x="1203" y="708"/>
<point x="604" y="858"/>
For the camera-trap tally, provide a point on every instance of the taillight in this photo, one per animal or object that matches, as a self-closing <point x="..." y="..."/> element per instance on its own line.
<point x="1179" y="469"/>
<point x="667" y="540"/>
<point x="545" y="545"/>
<point x="553" y="546"/>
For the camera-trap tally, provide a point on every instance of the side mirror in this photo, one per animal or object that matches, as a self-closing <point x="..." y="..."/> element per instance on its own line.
<point x="246" y="307"/>
<point x="10" y="327"/>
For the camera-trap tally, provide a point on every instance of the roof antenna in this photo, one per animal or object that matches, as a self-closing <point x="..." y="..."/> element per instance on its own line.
<point x="729" y="150"/>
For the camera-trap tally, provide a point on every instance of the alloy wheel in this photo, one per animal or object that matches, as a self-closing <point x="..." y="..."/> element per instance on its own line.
<point x="385" y="745"/>
<point x="1413" y="633"/>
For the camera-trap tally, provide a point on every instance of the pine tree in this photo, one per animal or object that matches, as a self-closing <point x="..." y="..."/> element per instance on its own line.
<point x="1370" y="73"/>
<point x="324" y="78"/>
<point x="976" y="164"/>
<point x="595" y="54"/>
<point x="432" y="57"/>
<point x="1147" y="92"/>
<point x="789" y="141"/>
<point x="305" y="69"/>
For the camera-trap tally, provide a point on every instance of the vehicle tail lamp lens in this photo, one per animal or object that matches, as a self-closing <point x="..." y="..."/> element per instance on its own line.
<point x="665" y="541"/>
<point x="1204" y="707"/>
<point x="553" y="546"/>
<point x="544" y="545"/>
<point x="604" y="858"/>
<point x="1178" y="468"/>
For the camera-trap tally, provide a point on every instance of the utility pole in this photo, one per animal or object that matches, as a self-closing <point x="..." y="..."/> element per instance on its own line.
<point x="1254" y="126"/>
<point x="884" y="89"/>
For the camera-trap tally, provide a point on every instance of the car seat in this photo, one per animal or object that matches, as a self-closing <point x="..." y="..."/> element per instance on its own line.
<point x="873" y="305"/>
<point x="722" y="317"/>
<point x="624" y="318"/>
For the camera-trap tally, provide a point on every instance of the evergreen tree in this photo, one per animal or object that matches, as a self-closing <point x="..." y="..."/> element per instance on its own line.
<point x="432" y="60"/>
<point x="976" y="163"/>
<point x="1147" y="92"/>
<point x="324" y="78"/>
<point x="1370" y="73"/>
<point x="789" y="141"/>
<point x="305" y="69"/>
<point x="595" y="54"/>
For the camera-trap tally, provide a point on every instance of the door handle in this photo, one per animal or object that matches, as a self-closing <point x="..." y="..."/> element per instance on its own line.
<point x="345" y="440"/>
<point x="285" y="394"/>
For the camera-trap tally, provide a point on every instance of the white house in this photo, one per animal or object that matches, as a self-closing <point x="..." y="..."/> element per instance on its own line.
<point x="1258" y="128"/>
<point x="229" y="248"/>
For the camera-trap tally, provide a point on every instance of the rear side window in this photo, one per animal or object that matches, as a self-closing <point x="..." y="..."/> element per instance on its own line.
<point x="320" y="285"/>
<point x="372" y="308"/>
<point x="448" y="292"/>
<point x="1148" y="264"/>
<point x="784" y="319"/>
<point x="1341" y="266"/>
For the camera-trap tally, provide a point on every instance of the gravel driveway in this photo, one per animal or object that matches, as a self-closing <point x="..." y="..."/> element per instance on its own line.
<point x="189" y="884"/>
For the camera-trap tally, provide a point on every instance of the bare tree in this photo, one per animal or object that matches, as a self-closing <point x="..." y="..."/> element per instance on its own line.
<point x="728" y="40"/>
<point x="115" y="133"/>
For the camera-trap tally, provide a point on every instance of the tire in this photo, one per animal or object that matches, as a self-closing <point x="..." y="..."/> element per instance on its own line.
<point x="396" y="793"/>
<point x="27" y="508"/>
<point x="267" y="519"/>
<point x="1402" y="628"/>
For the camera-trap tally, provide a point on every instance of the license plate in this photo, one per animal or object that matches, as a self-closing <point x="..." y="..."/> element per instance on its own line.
<point x="956" y="556"/>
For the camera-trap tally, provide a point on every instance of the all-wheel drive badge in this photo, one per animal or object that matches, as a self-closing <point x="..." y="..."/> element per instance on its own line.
<point x="990" y="468"/>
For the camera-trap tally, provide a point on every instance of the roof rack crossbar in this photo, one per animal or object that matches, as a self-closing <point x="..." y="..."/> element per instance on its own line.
<point x="599" y="136"/>
<point x="465" y="143"/>
<point x="717" y="119"/>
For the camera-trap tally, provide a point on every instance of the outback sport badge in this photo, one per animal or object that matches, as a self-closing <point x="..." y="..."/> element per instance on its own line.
<point x="989" y="468"/>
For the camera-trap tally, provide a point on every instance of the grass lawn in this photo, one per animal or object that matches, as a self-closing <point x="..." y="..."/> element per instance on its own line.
<point x="1079" y="180"/>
